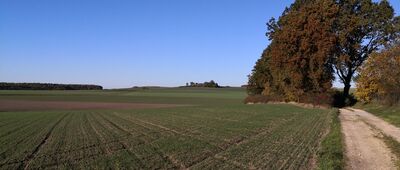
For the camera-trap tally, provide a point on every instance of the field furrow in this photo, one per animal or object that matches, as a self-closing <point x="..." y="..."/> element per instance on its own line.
<point x="32" y="155"/>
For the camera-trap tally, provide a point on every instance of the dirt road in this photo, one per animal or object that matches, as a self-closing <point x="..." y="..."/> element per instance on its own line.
<point x="364" y="147"/>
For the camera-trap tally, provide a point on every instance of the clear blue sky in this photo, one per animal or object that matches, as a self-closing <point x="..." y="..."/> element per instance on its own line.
<point x="122" y="43"/>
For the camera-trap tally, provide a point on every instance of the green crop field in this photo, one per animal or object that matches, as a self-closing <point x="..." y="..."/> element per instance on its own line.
<point x="205" y="129"/>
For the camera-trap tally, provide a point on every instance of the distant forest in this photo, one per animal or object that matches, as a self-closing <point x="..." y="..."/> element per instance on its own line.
<point x="47" y="86"/>
<point x="211" y="84"/>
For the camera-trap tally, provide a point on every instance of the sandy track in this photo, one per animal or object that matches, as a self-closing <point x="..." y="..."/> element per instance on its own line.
<point x="385" y="127"/>
<point x="19" y="105"/>
<point x="364" y="148"/>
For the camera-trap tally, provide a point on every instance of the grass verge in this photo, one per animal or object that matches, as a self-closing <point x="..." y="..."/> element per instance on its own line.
<point x="394" y="146"/>
<point x="330" y="155"/>
<point x="389" y="113"/>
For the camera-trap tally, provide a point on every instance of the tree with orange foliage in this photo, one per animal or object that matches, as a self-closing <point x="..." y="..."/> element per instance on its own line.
<point x="298" y="58"/>
<point x="313" y="39"/>
<point x="260" y="77"/>
<point x="379" y="78"/>
<point x="302" y="47"/>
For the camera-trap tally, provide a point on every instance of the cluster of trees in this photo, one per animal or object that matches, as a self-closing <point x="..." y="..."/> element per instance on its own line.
<point x="315" y="39"/>
<point x="379" y="78"/>
<point x="211" y="84"/>
<point x="47" y="86"/>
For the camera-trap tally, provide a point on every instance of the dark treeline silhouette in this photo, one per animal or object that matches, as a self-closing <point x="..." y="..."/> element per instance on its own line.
<point x="47" y="86"/>
<point x="211" y="84"/>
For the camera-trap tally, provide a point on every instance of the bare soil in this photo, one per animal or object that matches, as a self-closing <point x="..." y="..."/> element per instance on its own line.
<point x="19" y="105"/>
<point x="364" y="149"/>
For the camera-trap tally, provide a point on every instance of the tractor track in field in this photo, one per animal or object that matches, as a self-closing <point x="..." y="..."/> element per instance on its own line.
<point x="186" y="133"/>
<point x="124" y="145"/>
<point x="103" y="144"/>
<point x="18" y="128"/>
<point x="28" y="105"/>
<point x="174" y="132"/>
<point x="364" y="146"/>
<point x="175" y="162"/>
<point x="25" y="164"/>
<point x="11" y="148"/>
<point x="239" y="141"/>
<point x="238" y="164"/>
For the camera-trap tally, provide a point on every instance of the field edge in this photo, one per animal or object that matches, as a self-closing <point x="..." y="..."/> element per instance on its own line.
<point x="330" y="155"/>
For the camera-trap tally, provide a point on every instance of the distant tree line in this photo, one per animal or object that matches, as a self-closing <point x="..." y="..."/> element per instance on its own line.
<point x="211" y="84"/>
<point x="315" y="39"/>
<point x="47" y="86"/>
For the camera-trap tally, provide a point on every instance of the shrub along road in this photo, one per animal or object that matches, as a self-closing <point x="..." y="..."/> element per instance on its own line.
<point x="364" y="137"/>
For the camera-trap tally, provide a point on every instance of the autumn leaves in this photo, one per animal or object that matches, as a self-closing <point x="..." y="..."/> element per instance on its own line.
<point x="314" y="40"/>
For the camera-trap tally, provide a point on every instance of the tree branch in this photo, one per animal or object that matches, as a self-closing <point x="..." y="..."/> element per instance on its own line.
<point x="339" y="73"/>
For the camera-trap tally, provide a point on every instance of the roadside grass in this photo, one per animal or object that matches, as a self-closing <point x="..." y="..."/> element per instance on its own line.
<point x="330" y="155"/>
<point x="394" y="147"/>
<point x="390" y="114"/>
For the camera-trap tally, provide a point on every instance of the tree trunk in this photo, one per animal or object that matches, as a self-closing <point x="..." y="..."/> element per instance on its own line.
<point x="346" y="89"/>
